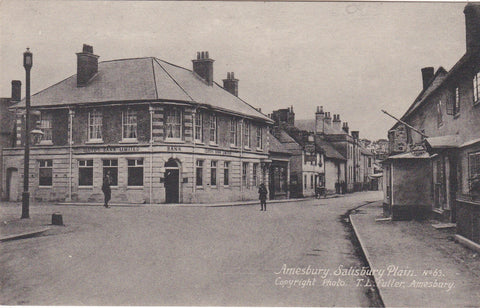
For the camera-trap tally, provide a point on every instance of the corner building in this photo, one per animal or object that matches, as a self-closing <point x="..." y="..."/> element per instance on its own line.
<point x="165" y="134"/>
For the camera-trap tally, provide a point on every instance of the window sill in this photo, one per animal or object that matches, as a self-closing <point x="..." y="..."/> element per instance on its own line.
<point x="95" y="141"/>
<point x="46" y="142"/>
<point x="44" y="187"/>
<point x="259" y="149"/>
<point x="85" y="187"/>
<point x="199" y="187"/>
<point x="128" y="141"/>
<point x="135" y="187"/>
<point x="247" y="148"/>
<point x="213" y="144"/>
<point x="233" y="146"/>
<point x="199" y="142"/>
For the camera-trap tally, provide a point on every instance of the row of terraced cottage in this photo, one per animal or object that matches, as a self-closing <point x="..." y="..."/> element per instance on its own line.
<point x="434" y="166"/>
<point x="164" y="133"/>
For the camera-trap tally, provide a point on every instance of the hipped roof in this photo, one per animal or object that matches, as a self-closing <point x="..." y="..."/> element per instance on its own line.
<point x="142" y="80"/>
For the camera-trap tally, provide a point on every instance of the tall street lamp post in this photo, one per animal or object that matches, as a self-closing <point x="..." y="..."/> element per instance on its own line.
<point x="27" y="64"/>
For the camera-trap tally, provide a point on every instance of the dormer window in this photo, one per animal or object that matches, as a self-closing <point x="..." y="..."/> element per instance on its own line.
<point x="95" y="119"/>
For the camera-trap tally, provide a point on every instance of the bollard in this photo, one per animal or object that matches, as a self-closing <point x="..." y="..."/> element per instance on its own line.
<point x="57" y="219"/>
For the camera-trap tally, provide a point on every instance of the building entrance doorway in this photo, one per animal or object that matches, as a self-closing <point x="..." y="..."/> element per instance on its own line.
<point x="172" y="182"/>
<point x="12" y="184"/>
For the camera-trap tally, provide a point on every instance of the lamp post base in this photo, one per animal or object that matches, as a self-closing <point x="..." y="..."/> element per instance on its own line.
<point x="25" y="204"/>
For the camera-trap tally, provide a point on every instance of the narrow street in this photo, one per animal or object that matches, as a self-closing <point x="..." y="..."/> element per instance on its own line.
<point x="188" y="256"/>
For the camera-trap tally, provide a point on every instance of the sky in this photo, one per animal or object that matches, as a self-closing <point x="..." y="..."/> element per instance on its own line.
<point x="354" y="59"/>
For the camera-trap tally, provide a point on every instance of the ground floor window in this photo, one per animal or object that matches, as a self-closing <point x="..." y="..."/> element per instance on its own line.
<point x="255" y="174"/>
<point x="244" y="174"/>
<point x="213" y="173"/>
<point x="305" y="181"/>
<point x="85" y="172"/>
<point x="135" y="172"/>
<point x="110" y="167"/>
<point x="311" y="181"/>
<point x="226" y="169"/>
<point x="199" y="173"/>
<point x="45" y="172"/>
<point x="474" y="173"/>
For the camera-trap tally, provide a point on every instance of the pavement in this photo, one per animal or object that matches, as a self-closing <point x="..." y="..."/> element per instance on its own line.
<point x="416" y="265"/>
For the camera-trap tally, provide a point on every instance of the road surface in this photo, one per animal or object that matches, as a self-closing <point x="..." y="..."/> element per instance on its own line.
<point x="166" y="255"/>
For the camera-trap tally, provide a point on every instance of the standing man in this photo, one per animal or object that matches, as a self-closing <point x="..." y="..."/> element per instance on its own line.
<point x="107" y="193"/>
<point x="262" y="195"/>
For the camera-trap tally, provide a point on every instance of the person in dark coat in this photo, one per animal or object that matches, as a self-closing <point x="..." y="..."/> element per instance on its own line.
<point x="107" y="192"/>
<point x="262" y="195"/>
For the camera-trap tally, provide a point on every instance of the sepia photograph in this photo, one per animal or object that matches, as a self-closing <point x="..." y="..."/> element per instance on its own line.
<point x="240" y="153"/>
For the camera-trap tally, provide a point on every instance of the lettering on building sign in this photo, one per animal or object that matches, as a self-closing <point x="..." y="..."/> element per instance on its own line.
<point x="110" y="149"/>
<point x="173" y="149"/>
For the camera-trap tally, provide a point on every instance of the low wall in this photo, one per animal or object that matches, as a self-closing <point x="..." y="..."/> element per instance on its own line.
<point x="468" y="219"/>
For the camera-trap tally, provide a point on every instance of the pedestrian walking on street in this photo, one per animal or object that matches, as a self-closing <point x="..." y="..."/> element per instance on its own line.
<point x="107" y="192"/>
<point x="262" y="195"/>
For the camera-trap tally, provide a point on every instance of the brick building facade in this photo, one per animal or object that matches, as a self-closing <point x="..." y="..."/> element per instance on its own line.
<point x="164" y="133"/>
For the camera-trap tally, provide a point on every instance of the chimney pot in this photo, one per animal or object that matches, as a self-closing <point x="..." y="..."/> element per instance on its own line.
<point x="198" y="55"/>
<point x="16" y="90"/>
<point x="203" y="67"/>
<point x="87" y="65"/>
<point x="231" y="84"/>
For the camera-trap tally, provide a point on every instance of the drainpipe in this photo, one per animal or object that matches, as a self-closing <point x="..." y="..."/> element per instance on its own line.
<point x="71" y="114"/>
<point x="150" y="109"/>
<point x="241" y="156"/>
<point x="194" y="181"/>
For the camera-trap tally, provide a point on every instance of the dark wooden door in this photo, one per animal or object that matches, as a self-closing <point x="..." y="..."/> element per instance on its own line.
<point x="171" y="185"/>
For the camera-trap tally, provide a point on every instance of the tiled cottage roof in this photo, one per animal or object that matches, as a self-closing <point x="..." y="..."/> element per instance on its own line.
<point x="328" y="150"/>
<point x="142" y="79"/>
<point x="276" y="146"/>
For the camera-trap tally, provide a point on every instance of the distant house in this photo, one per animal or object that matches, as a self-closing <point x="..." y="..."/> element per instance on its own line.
<point x="434" y="166"/>
<point x="279" y="169"/>
<point x="334" y="165"/>
<point x="307" y="170"/>
<point x="164" y="133"/>
<point x="7" y="139"/>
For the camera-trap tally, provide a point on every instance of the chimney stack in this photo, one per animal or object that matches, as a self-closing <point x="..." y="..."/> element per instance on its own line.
<point x="231" y="84"/>
<point x="337" y="123"/>
<point x="472" y="26"/>
<point x="427" y="75"/>
<point x="87" y="65"/>
<point x="345" y="127"/>
<point x="203" y="67"/>
<point x="355" y="134"/>
<point x="319" y="118"/>
<point x="16" y="90"/>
